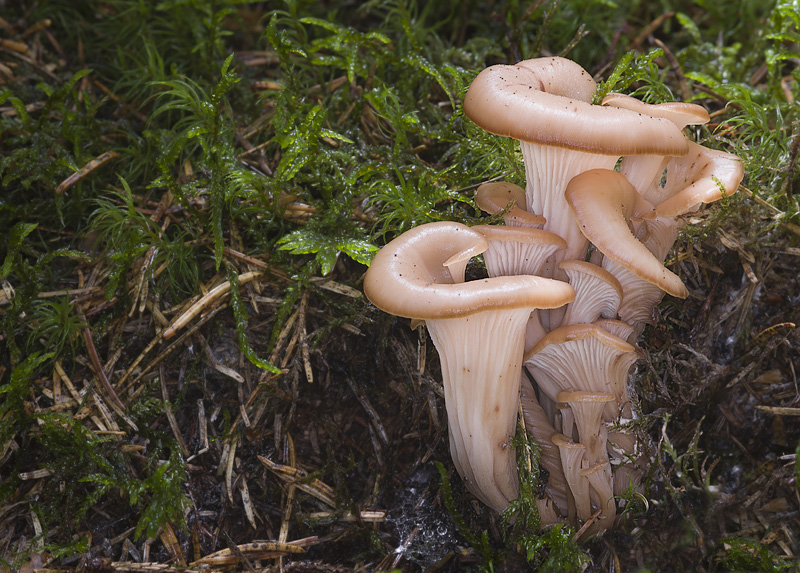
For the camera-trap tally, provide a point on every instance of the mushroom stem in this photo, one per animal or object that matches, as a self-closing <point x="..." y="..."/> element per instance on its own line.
<point x="548" y="170"/>
<point x="481" y="397"/>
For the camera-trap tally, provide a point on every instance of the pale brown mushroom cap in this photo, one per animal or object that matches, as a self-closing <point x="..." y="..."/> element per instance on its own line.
<point x="702" y="176"/>
<point x="603" y="201"/>
<point x="495" y="196"/>
<point x="408" y="278"/>
<point x="679" y="113"/>
<point x="547" y="101"/>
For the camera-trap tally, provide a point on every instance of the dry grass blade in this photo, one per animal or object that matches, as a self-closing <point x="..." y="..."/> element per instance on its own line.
<point x="367" y="516"/>
<point x="315" y="487"/>
<point x="86" y="170"/>
<point x="255" y="551"/>
<point x="100" y="372"/>
<point x="210" y="298"/>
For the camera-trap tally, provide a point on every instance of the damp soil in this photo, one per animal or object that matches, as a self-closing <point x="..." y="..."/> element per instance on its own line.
<point x="372" y="425"/>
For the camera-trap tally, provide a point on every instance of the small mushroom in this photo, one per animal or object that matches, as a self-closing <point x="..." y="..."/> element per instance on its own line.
<point x="579" y="495"/>
<point x="584" y="357"/>
<point x="517" y="250"/>
<point x="496" y="196"/>
<point x="602" y="494"/>
<point x="538" y="425"/>
<point x="587" y="408"/>
<point x="478" y="328"/>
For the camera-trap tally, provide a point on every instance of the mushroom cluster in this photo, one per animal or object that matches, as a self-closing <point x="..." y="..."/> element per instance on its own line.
<point x="574" y="276"/>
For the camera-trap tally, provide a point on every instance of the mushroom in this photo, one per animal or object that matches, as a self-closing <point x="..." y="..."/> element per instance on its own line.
<point x="494" y="197"/>
<point x="545" y="103"/>
<point x="519" y="251"/>
<point x="579" y="495"/>
<point x="602" y="493"/>
<point x="538" y="426"/>
<point x="587" y="409"/>
<point x="583" y="357"/>
<point x="478" y="329"/>
<point x="603" y="201"/>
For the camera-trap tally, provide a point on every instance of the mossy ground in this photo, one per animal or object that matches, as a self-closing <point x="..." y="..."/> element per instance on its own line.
<point x="249" y="158"/>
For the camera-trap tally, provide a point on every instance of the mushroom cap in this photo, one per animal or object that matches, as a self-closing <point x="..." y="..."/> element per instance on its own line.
<point x="603" y="201"/>
<point x="494" y="197"/>
<point x="679" y="113"/>
<point x="547" y="101"/>
<point x="408" y="278"/>
<point x="575" y="332"/>
<point x="702" y="176"/>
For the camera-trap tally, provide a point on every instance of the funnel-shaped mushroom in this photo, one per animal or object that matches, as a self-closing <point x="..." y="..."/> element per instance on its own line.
<point x="603" y="201"/>
<point x="587" y="409"/>
<point x="478" y="328"/>
<point x="584" y="357"/>
<point x="538" y="425"/>
<point x="545" y="103"/>
<point x="579" y="495"/>
<point x="602" y="494"/>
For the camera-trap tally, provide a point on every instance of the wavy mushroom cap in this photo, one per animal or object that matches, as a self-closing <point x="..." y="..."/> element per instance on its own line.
<point x="702" y="176"/>
<point x="408" y="278"/>
<point x="547" y="101"/>
<point x="679" y="113"/>
<point x="603" y="202"/>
